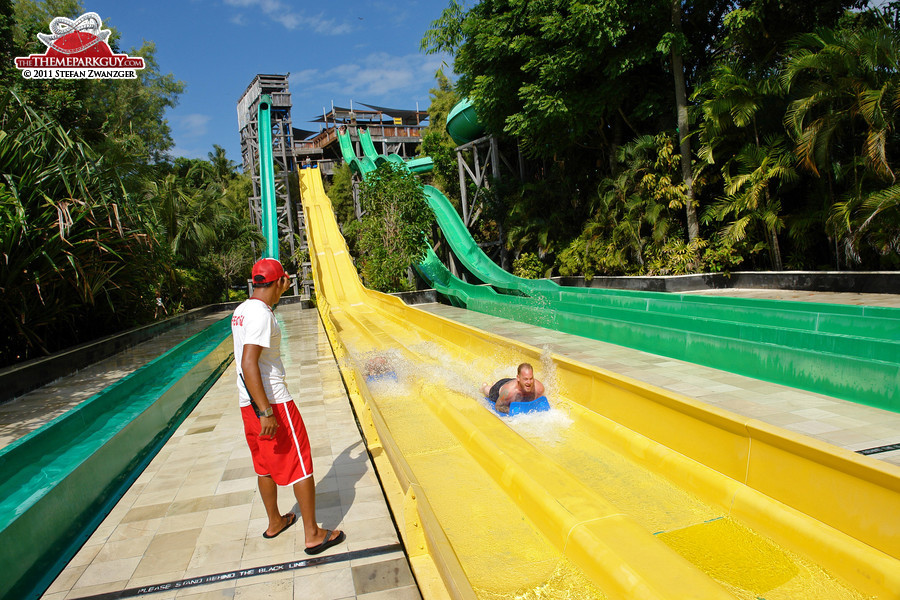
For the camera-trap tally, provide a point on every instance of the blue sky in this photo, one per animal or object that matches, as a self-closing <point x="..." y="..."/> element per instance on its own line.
<point x="337" y="51"/>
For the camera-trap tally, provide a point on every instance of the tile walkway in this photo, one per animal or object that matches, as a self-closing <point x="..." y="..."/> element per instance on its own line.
<point x="846" y="424"/>
<point x="891" y="300"/>
<point x="195" y="511"/>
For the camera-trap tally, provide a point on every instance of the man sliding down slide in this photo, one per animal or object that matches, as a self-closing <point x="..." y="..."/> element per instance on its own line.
<point x="524" y="388"/>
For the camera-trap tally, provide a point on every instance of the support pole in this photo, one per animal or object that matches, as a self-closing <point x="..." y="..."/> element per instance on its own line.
<point x="267" y="177"/>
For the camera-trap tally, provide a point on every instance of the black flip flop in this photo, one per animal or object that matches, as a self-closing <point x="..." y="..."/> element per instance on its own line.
<point x="327" y="542"/>
<point x="291" y="520"/>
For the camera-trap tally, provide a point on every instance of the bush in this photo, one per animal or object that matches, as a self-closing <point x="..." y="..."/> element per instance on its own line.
<point x="391" y="234"/>
<point x="528" y="266"/>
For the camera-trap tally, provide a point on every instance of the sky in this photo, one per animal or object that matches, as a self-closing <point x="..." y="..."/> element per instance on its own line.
<point x="336" y="52"/>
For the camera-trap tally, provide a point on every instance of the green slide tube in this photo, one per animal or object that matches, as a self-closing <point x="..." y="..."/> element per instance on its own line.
<point x="882" y="324"/>
<point x="59" y="482"/>
<point x="372" y="159"/>
<point x="368" y="146"/>
<point x="267" y="177"/>
<point x="463" y="124"/>
<point x="457" y="291"/>
<point x="362" y="165"/>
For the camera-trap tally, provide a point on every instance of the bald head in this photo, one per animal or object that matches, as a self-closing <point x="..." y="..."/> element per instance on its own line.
<point x="525" y="378"/>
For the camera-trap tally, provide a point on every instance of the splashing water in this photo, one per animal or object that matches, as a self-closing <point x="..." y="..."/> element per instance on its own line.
<point x="545" y="428"/>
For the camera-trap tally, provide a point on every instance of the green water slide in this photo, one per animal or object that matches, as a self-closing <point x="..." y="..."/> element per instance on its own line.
<point x="362" y="165"/>
<point x="368" y="147"/>
<point x="415" y="165"/>
<point x="467" y="250"/>
<point x="858" y="369"/>
<point x="59" y="482"/>
<point x="457" y="291"/>
<point x="463" y="124"/>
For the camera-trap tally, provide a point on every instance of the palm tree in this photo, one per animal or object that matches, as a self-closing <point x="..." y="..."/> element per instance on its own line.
<point x="844" y="122"/>
<point x="222" y="168"/>
<point x="751" y="196"/>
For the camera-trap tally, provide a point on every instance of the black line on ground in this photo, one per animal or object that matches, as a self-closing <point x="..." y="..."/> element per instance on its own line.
<point x="243" y="573"/>
<point x="879" y="449"/>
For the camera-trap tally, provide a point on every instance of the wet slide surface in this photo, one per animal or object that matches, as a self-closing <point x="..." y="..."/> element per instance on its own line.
<point x="621" y="490"/>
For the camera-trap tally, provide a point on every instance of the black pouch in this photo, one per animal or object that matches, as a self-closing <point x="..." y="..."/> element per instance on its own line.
<point x="252" y="401"/>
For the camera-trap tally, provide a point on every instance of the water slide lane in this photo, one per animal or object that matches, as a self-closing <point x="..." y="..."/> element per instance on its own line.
<point x="368" y="147"/>
<point x="59" y="482"/>
<point x="423" y="164"/>
<point x="621" y="490"/>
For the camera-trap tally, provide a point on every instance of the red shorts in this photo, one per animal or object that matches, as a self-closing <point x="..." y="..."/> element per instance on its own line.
<point x="286" y="457"/>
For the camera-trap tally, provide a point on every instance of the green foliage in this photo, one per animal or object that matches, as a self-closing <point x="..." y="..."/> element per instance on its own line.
<point x="391" y="235"/>
<point x="340" y="192"/>
<point x="555" y="73"/>
<point x="529" y="266"/>
<point x="677" y="257"/>
<point x="133" y="110"/>
<point x="845" y="120"/>
<point x="631" y="210"/>
<point x="794" y="138"/>
<point x="124" y="115"/>
<point x="94" y="224"/>
<point x="237" y="295"/>
<point x="75" y="258"/>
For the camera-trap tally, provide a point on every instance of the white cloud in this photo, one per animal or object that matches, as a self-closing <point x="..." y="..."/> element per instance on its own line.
<point x="377" y="75"/>
<point x="186" y="152"/>
<point x="193" y="125"/>
<point x="281" y="13"/>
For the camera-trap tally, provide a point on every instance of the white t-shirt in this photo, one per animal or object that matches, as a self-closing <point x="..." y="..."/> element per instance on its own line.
<point x="254" y="323"/>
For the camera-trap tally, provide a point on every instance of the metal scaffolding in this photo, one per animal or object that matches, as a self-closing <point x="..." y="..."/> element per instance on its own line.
<point x="290" y="215"/>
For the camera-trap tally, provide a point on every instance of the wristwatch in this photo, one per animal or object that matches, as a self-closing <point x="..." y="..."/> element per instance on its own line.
<point x="266" y="413"/>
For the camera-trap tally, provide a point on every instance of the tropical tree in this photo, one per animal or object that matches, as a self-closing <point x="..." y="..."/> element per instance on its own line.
<point x="75" y="258"/>
<point x="751" y="195"/>
<point x="631" y="211"/>
<point x="844" y="120"/>
<point x="223" y="169"/>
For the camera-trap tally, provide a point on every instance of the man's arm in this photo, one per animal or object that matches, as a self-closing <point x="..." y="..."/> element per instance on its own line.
<point x="253" y="381"/>
<point x="504" y="398"/>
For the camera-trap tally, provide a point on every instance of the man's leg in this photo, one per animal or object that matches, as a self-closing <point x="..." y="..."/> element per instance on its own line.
<point x="269" y="492"/>
<point x="305" y="492"/>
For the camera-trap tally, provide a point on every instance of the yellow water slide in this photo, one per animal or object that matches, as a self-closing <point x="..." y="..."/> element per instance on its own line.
<point x="621" y="490"/>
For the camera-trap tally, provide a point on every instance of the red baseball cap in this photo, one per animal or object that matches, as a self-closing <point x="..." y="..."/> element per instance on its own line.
<point x="267" y="270"/>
